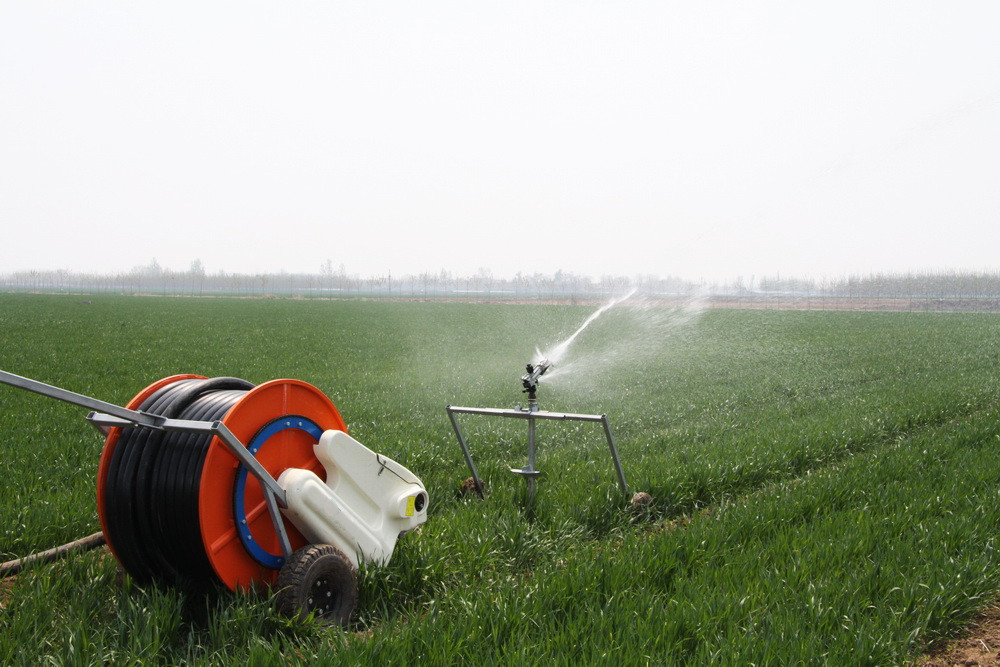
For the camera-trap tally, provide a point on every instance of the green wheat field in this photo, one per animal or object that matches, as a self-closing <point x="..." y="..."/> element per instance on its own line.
<point x="826" y="485"/>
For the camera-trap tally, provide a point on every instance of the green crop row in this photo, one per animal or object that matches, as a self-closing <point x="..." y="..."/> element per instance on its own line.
<point x="823" y="484"/>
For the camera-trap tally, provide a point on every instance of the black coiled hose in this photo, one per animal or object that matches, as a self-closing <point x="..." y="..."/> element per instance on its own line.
<point x="151" y="488"/>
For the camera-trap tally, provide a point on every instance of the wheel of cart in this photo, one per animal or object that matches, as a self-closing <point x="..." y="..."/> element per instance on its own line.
<point x="317" y="580"/>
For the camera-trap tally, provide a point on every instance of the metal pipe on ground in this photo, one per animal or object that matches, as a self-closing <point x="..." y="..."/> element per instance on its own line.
<point x="12" y="567"/>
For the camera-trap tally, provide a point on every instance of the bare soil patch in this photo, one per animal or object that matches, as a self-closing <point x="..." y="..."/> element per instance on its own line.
<point x="979" y="644"/>
<point x="6" y="586"/>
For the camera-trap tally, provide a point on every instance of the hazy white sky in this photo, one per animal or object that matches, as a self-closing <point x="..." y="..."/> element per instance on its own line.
<point x="705" y="140"/>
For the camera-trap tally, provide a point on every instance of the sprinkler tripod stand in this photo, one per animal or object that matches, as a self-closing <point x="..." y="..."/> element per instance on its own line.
<point x="532" y="414"/>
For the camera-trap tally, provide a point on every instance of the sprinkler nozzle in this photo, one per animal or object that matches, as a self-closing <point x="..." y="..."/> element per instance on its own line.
<point x="530" y="379"/>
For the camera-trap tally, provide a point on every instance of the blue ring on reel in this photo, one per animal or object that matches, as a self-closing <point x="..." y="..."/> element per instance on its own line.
<point x="259" y="553"/>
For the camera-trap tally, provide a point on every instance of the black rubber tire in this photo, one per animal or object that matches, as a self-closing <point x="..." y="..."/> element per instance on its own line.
<point x="317" y="579"/>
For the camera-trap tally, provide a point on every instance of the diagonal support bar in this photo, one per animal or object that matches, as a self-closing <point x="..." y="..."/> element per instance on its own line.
<point x="132" y="416"/>
<point x="465" y="452"/>
<point x="614" y="453"/>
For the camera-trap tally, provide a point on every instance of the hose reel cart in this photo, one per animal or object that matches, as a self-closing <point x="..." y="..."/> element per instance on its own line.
<point x="217" y="480"/>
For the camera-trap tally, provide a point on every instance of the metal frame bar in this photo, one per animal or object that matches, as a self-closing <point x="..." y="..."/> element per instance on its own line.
<point x="531" y="414"/>
<point x="134" y="417"/>
<point x="465" y="451"/>
<point x="105" y="415"/>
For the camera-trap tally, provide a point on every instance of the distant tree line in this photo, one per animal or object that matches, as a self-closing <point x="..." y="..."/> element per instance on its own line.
<point x="329" y="282"/>
<point x="924" y="285"/>
<point x="920" y="291"/>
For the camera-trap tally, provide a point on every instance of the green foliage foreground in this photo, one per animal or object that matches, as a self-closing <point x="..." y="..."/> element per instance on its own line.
<point x="826" y="485"/>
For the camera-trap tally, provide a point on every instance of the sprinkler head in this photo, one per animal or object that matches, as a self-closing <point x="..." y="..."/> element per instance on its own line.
<point x="534" y="373"/>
